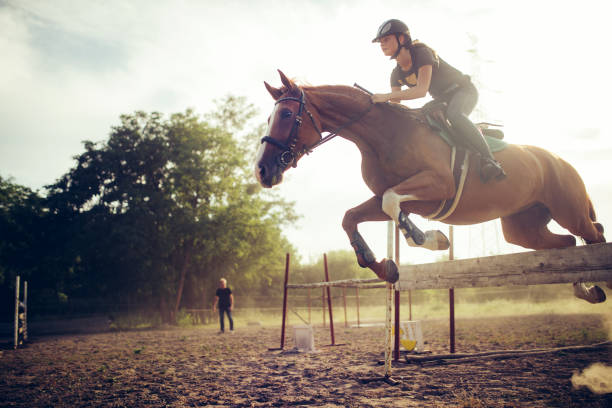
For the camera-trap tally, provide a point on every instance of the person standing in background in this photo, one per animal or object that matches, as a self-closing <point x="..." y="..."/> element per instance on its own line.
<point x="224" y="301"/>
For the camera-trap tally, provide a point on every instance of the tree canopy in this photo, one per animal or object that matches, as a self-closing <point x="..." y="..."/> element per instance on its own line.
<point x="154" y="215"/>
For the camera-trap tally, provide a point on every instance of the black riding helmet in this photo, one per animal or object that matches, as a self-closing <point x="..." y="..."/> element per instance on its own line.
<point x="390" y="27"/>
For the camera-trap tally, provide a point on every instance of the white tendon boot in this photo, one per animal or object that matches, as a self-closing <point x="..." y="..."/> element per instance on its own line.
<point x="592" y="294"/>
<point x="434" y="240"/>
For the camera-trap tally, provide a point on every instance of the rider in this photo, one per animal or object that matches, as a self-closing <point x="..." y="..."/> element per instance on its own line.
<point x="419" y="68"/>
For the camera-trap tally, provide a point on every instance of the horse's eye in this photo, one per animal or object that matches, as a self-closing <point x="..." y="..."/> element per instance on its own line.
<point x="286" y="113"/>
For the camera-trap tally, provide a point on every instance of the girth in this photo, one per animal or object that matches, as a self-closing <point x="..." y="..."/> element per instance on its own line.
<point x="460" y="163"/>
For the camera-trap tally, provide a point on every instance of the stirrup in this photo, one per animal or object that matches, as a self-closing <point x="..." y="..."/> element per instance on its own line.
<point x="489" y="169"/>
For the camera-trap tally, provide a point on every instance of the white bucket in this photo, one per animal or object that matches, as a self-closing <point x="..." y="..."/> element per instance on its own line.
<point x="411" y="336"/>
<point x="304" y="337"/>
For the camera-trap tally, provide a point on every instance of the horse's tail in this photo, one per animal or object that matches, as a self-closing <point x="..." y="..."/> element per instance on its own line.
<point x="593" y="218"/>
<point x="592" y="214"/>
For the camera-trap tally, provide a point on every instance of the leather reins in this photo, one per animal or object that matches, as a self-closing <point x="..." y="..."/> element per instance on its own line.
<point x="289" y="155"/>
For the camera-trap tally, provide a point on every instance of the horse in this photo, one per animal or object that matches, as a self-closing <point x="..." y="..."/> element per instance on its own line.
<point x="407" y="167"/>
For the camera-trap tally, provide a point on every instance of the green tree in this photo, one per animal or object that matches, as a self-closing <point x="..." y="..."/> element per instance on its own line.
<point x="20" y="211"/>
<point x="28" y="247"/>
<point x="165" y="202"/>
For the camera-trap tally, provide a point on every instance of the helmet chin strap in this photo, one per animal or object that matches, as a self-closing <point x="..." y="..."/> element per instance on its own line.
<point x="399" y="47"/>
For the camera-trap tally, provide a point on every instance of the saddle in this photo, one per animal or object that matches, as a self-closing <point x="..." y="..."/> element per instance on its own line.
<point x="434" y="115"/>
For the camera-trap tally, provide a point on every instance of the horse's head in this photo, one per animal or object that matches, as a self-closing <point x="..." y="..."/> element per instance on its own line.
<point x="288" y="137"/>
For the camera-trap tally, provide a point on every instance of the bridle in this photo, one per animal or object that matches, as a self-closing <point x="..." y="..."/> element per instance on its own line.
<point x="289" y="155"/>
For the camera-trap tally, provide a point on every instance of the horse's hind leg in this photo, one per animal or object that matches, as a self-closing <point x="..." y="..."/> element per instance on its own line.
<point x="370" y="210"/>
<point x="529" y="229"/>
<point x="577" y="215"/>
<point x="579" y="219"/>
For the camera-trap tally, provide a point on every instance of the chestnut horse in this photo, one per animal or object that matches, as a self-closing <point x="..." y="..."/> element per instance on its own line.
<point x="407" y="167"/>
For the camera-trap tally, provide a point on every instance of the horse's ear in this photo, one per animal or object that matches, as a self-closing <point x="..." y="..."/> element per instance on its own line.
<point x="286" y="81"/>
<point x="275" y="92"/>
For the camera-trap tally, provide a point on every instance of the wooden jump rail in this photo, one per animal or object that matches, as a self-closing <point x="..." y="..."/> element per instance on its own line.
<point x="587" y="263"/>
<point x="346" y="283"/>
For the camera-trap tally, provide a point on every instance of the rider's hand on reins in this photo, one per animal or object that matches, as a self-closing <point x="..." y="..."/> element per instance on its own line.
<point x="380" y="98"/>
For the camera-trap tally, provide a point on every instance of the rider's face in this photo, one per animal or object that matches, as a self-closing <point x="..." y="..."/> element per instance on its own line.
<point x="388" y="45"/>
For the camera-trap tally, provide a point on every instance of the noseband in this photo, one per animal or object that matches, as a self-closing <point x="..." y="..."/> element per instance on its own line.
<point x="289" y="155"/>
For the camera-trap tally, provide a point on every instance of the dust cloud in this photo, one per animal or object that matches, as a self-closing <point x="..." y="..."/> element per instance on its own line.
<point x="598" y="376"/>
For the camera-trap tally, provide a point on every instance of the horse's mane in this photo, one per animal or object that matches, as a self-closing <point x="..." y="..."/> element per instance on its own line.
<point x="356" y="94"/>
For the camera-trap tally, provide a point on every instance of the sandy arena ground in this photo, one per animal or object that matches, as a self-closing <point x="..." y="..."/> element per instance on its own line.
<point x="199" y="367"/>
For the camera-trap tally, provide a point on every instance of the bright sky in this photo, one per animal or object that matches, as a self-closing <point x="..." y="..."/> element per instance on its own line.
<point x="70" y="68"/>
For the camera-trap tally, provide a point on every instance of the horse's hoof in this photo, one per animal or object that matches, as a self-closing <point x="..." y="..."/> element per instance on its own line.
<point x="434" y="241"/>
<point x="594" y="294"/>
<point x="391" y="272"/>
<point x="442" y="240"/>
<point x="600" y="295"/>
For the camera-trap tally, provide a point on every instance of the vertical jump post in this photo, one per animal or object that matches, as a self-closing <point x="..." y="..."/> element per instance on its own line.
<point x="387" y="378"/>
<point x="357" y="295"/>
<point x="451" y="293"/>
<point x="16" y="332"/>
<point x="25" y="310"/>
<point x="323" y="305"/>
<point x="396" y="353"/>
<point x="21" y="313"/>
<point x="388" y="327"/>
<point x="344" y="303"/>
<point x="287" y="260"/>
<point x="329" y="304"/>
<point x="282" y="340"/>
<point x="309" y="305"/>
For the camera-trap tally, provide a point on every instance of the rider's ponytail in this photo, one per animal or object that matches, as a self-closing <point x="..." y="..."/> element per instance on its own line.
<point x="412" y="45"/>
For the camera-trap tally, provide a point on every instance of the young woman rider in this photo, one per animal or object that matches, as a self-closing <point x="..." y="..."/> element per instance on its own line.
<point x="421" y="70"/>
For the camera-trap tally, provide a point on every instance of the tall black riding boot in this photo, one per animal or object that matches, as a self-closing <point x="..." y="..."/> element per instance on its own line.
<point x="489" y="167"/>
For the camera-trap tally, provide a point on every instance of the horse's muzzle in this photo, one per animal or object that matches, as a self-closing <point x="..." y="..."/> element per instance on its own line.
<point x="268" y="174"/>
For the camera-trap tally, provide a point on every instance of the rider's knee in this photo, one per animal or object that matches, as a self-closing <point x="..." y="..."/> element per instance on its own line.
<point x="454" y="114"/>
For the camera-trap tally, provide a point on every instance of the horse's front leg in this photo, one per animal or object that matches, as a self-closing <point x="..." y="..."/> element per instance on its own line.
<point x="368" y="211"/>
<point x="427" y="185"/>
